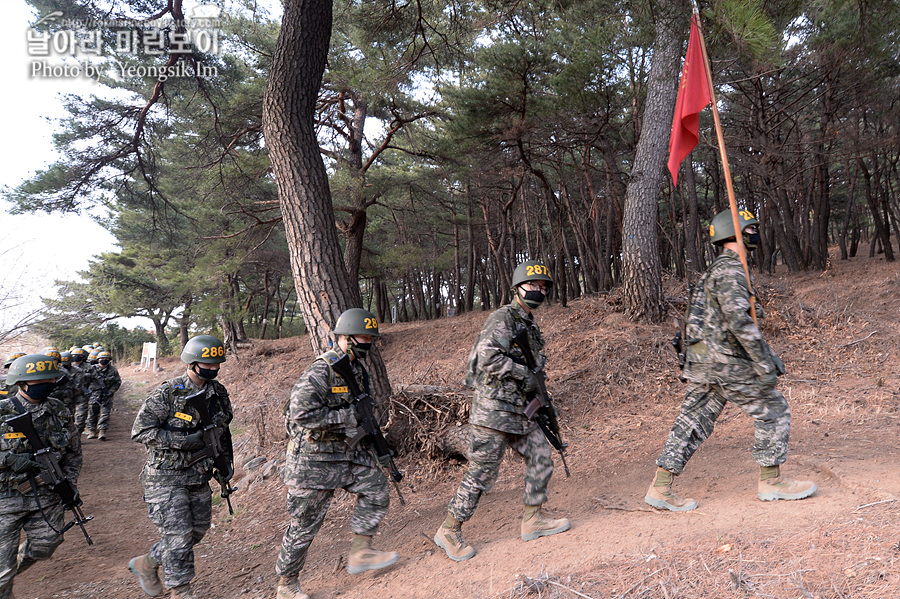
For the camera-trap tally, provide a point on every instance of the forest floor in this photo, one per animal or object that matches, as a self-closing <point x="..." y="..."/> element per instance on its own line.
<point x="618" y="392"/>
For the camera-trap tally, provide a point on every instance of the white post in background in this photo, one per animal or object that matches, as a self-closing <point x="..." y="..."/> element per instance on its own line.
<point x="148" y="357"/>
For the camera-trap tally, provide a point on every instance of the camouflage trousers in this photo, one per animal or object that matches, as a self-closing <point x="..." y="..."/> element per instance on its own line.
<point x="705" y="401"/>
<point x="81" y="413"/>
<point x="486" y="448"/>
<point x="98" y="414"/>
<point x="308" y="507"/>
<point x="182" y="513"/>
<point x="20" y="513"/>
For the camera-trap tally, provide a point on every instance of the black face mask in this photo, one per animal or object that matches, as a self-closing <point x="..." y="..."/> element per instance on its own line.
<point x="751" y="241"/>
<point x="39" y="391"/>
<point x="207" y="374"/>
<point x="360" y="350"/>
<point x="104" y="362"/>
<point x="533" y="299"/>
<point x="77" y="359"/>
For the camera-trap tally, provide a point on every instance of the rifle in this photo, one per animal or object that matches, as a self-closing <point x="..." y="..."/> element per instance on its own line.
<point x="365" y="409"/>
<point x="212" y="439"/>
<point x="540" y="409"/>
<point x="51" y="474"/>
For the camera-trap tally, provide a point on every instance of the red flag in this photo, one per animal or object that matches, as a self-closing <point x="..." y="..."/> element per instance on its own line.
<point x="693" y="96"/>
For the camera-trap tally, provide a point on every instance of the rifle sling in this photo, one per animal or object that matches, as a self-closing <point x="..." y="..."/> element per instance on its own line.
<point x="17" y="404"/>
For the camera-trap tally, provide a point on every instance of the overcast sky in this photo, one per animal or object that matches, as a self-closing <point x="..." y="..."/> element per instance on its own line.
<point x="36" y="249"/>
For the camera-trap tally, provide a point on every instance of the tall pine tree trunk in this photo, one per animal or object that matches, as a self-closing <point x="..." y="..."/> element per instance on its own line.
<point x="323" y="287"/>
<point x="642" y="271"/>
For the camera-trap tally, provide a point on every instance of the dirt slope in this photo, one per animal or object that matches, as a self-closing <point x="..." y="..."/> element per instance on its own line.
<point x="618" y="393"/>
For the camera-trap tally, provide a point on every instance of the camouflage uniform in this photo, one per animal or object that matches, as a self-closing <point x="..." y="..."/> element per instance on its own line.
<point x="103" y="385"/>
<point x="70" y="388"/>
<point x="179" y="498"/>
<point x="320" y="419"/>
<point x="20" y="509"/>
<point x="6" y="389"/>
<point x="497" y="370"/>
<point x="727" y="360"/>
<point x="81" y="407"/>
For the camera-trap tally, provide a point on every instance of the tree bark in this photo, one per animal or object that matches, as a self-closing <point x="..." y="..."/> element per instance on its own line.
<point x="324" y="288"/>
<point x="692" y="228"/>
<point x="184" y="323"/>
<point x="642" y="271"/>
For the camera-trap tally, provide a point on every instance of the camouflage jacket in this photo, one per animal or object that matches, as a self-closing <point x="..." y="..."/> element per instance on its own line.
<point x="721" y="336"/>
<point x="496" y="369"/>
<point x="104" y="382"/>
<point x="165" y="420"/>
<point x="320" y="420"/>
<point x="6" y="389"/>
<point x="56" y="428"/>
<point x="69" y="388"/>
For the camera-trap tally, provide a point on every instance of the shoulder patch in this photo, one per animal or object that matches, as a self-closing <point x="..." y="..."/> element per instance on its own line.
<point x="330" y="357"/>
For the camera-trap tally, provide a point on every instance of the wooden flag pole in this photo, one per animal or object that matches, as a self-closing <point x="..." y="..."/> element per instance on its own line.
<point x="738" y="234"/>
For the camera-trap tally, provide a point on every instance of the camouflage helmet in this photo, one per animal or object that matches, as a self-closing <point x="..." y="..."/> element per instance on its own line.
<point x="93" y="355"/>
<point x="52" y="352"/>
<point x="33" y="367"/>
<point x="104" y="355"/>
<point x="203" y="348"/>
<point x="12" y="358"/>
<point x="65" y="357"/>
<point x="356" y="321"/>
<point x="721" y="229"/>
<point x="531" y="270"/>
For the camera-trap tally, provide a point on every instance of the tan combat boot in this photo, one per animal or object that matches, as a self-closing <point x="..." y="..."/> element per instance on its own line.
<point x="449" y="538"/>
<point x="773" y="486"/>
<point x="101" y="434"/>
<point x="535" y="524"/>
<point x="182" y="592"/>
<point x="289" y="588"/>
<point x="92" y="434"/>
<point x="363" y="557"/>
<point x="660" y="494"/>
<point x="147" y="571"/>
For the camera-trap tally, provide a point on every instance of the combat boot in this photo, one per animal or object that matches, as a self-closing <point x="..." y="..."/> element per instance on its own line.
<point x="363" y="557"/>
<point x="449" y="538"/>
<point x="289" y="588"/>
<point x="182" y="592"/>
<point x="535" y="524"/>
<point x="660" y="494"/>
<point x="147" y="571"/>
<point x="773" y="486"/>
<point x="91" y="434"/>
<point x="101" y="434"/>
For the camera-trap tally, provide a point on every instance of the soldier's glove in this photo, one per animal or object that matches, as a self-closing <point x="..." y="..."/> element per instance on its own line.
<point x="530" y="382"/>
<point x="193" y="441"/>
<point x="227" y="474"/>
<point x="20" y="463"/>
<point x="76" y="496"/>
